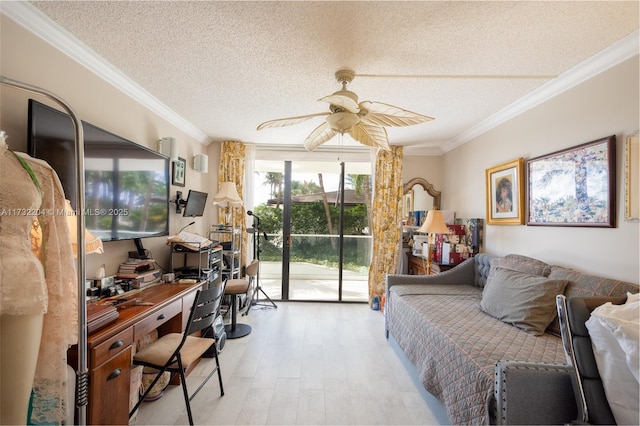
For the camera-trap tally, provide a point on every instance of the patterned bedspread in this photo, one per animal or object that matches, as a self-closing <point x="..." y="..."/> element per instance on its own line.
<point x="455" y="346"/>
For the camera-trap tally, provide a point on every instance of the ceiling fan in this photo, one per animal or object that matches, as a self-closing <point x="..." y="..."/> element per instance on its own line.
<point x="364" y="121"/>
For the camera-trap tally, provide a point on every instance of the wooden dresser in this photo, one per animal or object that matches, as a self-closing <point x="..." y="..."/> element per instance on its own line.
<point x="418" y="266"/>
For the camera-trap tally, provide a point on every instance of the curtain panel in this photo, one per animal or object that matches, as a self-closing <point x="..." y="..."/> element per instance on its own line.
<point x="231" y="169"/>
<point x="386" y="220"/>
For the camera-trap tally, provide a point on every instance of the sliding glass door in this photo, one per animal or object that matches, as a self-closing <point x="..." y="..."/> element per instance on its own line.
<point x="315" y="219"/>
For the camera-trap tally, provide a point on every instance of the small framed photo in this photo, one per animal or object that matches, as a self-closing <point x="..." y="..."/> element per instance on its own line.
<point x="179" y="172"/>
<point x="574" y="187"/>
<point x="505" y="197"/>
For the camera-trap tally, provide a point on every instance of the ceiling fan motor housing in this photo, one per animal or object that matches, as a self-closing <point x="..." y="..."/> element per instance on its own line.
<point x="345" y="76"/>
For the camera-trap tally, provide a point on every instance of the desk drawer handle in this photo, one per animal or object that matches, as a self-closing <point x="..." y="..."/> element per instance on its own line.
<point x="116" y="345"/>
<point x="115" y="373"/>
<point x="161" y="317"/>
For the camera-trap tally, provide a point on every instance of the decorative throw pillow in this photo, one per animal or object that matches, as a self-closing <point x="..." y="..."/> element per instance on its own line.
<point x="520" y="263"/>
<point x="581" y="285"/>
<point x="525" y="301"/>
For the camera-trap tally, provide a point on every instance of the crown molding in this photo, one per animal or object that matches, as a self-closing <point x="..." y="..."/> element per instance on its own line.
<point x="613" y="55"/>
<point x="32" y="19"/>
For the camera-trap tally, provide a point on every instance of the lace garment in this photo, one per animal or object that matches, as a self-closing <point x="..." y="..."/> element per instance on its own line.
<point x="37" y="273"/>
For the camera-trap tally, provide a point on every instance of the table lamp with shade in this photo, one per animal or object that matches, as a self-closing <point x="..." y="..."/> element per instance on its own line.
<point x="433" y="224"/>
<point x="227" y="197"/>
<point x="92" y="244"/>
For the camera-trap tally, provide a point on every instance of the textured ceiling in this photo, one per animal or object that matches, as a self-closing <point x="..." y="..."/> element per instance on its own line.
<point x="225" y="67"/>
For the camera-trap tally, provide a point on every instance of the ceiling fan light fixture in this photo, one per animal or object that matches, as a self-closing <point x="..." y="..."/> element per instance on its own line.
<point x="343" y="122"/>
<point x="364" y="121"/>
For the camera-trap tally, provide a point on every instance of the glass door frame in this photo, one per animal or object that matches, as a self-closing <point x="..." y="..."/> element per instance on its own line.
<point x="287" y="237"/>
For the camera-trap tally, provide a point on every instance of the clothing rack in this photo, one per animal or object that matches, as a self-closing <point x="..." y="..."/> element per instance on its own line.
<point x="81" y="373"/>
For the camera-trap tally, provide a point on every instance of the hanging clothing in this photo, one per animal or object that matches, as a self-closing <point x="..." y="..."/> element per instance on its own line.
<point x="38" y="272"/>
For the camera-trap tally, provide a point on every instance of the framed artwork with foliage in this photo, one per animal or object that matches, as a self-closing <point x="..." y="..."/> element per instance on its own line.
<point x="574" y="187"/>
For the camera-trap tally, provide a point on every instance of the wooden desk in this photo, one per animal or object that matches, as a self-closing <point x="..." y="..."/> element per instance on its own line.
<point x="418" y="266"/>
<point x="110" y="349"/>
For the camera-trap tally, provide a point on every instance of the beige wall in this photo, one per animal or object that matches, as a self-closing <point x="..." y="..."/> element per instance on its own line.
<point x="426" y="167"/>
<point x="605" y="105"/>
<point x="27" y="58"/>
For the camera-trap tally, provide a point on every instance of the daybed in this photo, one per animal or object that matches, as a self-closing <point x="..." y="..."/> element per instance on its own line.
<point x="484" y="369"/>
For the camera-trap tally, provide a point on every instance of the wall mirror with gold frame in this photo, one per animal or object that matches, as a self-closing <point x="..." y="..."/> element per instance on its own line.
<point x="419" y="195"/>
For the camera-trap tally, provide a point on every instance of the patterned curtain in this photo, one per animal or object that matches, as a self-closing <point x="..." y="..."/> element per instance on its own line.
<point x="231" y="169"/>
<point x="386" y="217"/>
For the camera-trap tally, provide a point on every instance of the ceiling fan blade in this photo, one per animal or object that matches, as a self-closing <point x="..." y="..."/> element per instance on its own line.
<point x="343" y="101"/>
<point x="381" y="114"/>
<point x="290" y="121"/>
<point x="320" y="135"/>
<point x="371" y="135"/>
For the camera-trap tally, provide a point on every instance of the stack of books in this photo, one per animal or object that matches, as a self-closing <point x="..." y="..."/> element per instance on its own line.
<point x="134" y="267"/>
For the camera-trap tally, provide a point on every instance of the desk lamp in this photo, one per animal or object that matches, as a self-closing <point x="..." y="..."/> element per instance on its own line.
<point x="227" y="197"/>
<point x="433" y="224"/>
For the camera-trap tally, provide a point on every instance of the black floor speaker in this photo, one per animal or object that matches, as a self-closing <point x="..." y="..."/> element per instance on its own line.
<point x="217" y="332"/>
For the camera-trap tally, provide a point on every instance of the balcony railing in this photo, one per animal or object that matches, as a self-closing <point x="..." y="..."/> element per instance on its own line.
<point x="313" y="269"/>
<point x="316" y="255"/>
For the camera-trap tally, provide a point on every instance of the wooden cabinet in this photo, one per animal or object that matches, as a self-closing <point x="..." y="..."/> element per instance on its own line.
<point x="418" y="266"/>
<point x="109" y="390"/>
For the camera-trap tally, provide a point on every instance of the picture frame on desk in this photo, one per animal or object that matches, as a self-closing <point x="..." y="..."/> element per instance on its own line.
<point x="418" y="240"/>
<point x="505" y="195"/>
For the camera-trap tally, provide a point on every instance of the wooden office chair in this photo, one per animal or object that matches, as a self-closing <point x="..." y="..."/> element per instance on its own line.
<point x="235" y="288"/>
<point x="174" y="352"/>
<point x="591" y="400"/>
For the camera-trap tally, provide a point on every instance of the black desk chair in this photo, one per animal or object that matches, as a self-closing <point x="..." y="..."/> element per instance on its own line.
<point x="174" y="352"/>
<point x="573" y="312"/>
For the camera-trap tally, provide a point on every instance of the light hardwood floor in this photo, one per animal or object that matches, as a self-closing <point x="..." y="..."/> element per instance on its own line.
<point x="303" y="364"/>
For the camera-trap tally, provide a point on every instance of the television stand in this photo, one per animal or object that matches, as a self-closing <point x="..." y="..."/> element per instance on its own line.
<point x="141" y="252"/>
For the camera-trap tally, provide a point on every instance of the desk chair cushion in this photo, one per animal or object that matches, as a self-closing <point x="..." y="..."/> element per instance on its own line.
<point x="614" y="332"/>
<point x="162" y="349"/>
<point x="236" y="286"/>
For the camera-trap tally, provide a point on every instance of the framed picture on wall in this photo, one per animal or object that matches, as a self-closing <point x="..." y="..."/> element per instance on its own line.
<point x="505" y="197"/>
<point x="632" y="178"/>
<point x="574" y="187"/>
<point x="179" y="172"/>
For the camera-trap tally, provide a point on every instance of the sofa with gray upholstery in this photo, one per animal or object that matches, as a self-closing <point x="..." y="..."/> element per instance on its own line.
<point x="484" y="336"/>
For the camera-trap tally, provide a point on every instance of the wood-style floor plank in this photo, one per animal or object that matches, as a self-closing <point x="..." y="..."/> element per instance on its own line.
<point x="303" y="364"/>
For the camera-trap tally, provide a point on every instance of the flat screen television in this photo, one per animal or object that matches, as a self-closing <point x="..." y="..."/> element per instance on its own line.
<point x="196" y="203"/>
<point x="126" y="185"/>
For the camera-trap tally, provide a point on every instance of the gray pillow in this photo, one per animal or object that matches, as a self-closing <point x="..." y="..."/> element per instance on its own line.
<point x="523" y="300"/>
<point x="520" y="263"/>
